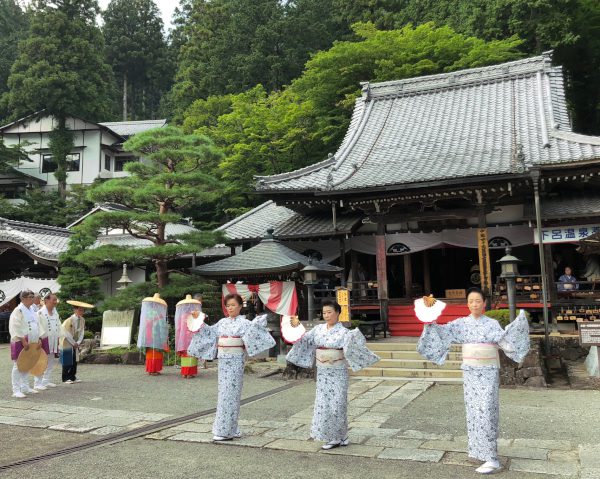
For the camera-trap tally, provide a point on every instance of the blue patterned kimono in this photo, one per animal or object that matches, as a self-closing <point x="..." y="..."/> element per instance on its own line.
<point x="330" y="418"/>
<point x="481" y="383"/>
<point x="256" y="339"/>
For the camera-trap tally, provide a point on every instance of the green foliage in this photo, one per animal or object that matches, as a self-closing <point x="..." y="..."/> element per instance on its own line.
<point x="265" y="133"/>
<point x="10" y="157"/>
<point x="229" y="46"/>
<point x="60" y="66"/>
<point x="13" y="28"/>
<point x="138" y="54"/>
<point x="503" y="316"/>
<point x="74" y="277"/>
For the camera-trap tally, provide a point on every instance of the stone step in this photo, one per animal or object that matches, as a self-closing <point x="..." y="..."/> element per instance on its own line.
<point x="384" y="346"/>
<point x="415" y="364"/>
<point x="428" y="374"/>
<point x="407" y="379"/>
<point x="452" y="356"/>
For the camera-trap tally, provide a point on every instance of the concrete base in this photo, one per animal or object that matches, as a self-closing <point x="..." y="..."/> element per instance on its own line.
<point x="591" y="362"/>
<point x="281" y="359"/>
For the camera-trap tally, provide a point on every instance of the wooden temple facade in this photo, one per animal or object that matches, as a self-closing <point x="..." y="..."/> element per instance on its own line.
<point x="435" y="177"/>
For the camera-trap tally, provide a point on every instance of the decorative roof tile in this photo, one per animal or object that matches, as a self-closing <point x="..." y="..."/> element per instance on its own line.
<point x="468" y="123"/>
<point x="286" y="223"/>
<point x="41" y="241"/>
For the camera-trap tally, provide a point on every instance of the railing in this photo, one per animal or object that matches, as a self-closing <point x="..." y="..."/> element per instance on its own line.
<point x="363" y="292"/>
<point x="578" y="290"/>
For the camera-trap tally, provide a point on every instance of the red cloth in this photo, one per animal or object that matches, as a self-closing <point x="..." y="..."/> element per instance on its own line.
<point x="154" y="361"/>
<point x="277" y="296"/>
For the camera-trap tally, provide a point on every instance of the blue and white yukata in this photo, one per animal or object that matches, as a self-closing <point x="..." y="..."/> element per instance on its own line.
<point x="481" y="375"/>
<point x="230" y="340"/>
<point x="333" y="350"/>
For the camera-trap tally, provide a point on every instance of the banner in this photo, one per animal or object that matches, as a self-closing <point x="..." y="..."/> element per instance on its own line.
<point x="277" y="296"/>
<point x="565" y="234"/>
<point x="485" y="269"/>
<point x="11" y="288"/>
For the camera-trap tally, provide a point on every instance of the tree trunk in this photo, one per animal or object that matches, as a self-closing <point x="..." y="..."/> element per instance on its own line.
<point x="124" y="96"/>
<point x="162" y="273"/>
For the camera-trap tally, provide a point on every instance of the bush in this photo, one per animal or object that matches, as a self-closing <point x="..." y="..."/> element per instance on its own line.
<point x="503" y="316"/>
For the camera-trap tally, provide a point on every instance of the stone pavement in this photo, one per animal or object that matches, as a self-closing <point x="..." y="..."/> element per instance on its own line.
<point x="416" y="426"/>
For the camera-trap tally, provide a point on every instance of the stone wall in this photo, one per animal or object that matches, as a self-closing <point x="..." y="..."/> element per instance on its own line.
<point x="528" y="373"/>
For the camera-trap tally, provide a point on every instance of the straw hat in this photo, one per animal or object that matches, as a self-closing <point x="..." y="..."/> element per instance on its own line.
<point x="156" y="299"/>
<point x="188" y="300"/>
<point x="28" y="358"/>
<point x="41" y="365"/>
<point x="79" y="304"/>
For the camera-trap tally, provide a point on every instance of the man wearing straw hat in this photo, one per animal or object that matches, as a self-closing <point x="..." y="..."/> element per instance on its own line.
<point x="24" y="331"/>
<point x="72" y="336"/>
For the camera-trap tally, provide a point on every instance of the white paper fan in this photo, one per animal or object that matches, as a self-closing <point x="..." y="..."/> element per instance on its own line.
<point x="194" y="324"/>
<point x="428" y="309"/>
<point x="291" y="329"/>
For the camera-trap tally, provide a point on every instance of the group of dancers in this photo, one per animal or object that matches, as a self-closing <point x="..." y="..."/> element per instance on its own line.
<point x="332" y="348"/>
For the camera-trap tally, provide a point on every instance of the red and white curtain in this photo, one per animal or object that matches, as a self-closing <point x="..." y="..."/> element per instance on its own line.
<point x="278" y="296"/>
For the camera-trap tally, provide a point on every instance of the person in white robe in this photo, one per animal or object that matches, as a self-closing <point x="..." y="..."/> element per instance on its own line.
<point x="230" y="340"/>
<point x="51" y="328"/>
<point x="24" y="329"/>
<point x="333" y="348"/>
<point x="481" y="337"/>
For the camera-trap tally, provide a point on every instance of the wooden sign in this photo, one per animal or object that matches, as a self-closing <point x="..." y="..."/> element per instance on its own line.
<point x="485" y="269"/>
<point x="589" y="334"/>
<point x="116" y="328"/>
<point x="342" y="296"/>
<point x="455" y="293"/>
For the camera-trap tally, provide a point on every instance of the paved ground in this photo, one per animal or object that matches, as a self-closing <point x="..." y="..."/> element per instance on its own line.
<point x="398" y="429"/>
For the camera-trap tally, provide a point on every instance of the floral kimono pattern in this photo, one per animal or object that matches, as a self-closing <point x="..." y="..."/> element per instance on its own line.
<point x="330" y="416"/>
<point x="481" y="383"/>
<point x="204" y="345"/>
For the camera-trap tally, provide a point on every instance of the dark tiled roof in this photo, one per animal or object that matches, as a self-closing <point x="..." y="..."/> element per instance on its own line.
<point x="564" y="207"/>
<point x="286" y="223"/>
<point x="129" y="128"/>
<point x="468" y="123"/>
<point x="41" y="241"/>
<point x="267" y="257"/>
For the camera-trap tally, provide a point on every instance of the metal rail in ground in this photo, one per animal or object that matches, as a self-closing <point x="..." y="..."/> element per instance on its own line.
<point x="142" y="431"/>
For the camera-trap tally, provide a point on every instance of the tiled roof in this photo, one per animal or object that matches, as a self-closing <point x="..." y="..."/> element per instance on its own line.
<point x="172" y="229"/>
<point x="565" y="207"/>
<point x="492" y="120"/>
<point x="267" y="257"/>
<point x="286" y="223"/>
<point x="129" y="128"/>
<point x="41" y="241"/>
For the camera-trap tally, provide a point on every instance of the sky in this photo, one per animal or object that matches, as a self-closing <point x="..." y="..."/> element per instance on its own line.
<point x="167" y="7"/>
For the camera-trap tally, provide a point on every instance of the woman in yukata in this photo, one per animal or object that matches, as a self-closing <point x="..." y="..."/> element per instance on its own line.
<point x="334" y="348"/>
<point x="230" y="340"/>
<point x="480" y="337"/>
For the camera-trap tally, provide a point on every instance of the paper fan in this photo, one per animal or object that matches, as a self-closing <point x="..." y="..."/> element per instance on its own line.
<point x="291" y="329"/>
<point x="428" y="309"/>
<point x="195" y="323"/>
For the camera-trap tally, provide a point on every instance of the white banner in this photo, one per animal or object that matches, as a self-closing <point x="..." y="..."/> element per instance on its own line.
<point x="11" y="288"/>
<point x="565" y="234"/>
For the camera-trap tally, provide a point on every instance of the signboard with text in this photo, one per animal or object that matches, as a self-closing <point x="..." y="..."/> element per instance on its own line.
<point x="565" y="234"/>
<point x="116" y="328"/>
<point x="589" y="334"/>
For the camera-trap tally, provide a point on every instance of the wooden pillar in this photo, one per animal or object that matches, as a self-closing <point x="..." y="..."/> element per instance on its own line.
<point x="380" y="260"/>
<point x="483" y="248"/>
<point x="343" y="261"/>
<point x="426" y="273"/>
<point x="407" y="275"/>
<point x="550" y="279"/>
<point x="353" y="266"/>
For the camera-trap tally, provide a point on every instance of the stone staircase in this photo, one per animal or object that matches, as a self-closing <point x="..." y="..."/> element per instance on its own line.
<point x="400" y="360"/>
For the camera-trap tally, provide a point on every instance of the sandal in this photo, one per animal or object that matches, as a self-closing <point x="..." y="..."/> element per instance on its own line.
<point x="489" y="467"/>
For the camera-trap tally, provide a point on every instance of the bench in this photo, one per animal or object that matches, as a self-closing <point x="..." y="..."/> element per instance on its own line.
<point x="372" y="327"/>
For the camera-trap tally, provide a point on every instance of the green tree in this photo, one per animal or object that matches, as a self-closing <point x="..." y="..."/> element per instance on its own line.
<point x="61" y="68"/>
<point x="138" y="53"/>
<point x="170" y="179"/>
<point x="13" y="28"/>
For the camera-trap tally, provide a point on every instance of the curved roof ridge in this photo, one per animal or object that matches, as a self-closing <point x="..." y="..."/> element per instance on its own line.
<point x="29" y="225"/>
<point x="237" y="219"/>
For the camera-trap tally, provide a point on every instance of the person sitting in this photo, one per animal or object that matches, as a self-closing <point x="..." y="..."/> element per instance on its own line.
<point x="567" y="281"/>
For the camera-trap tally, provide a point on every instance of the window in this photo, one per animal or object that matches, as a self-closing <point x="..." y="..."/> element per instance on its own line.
<point x="12" y="192"/>
<point x="107" y="162"/>
<point x="50" y="166"/>
<point x="120" y="161"/>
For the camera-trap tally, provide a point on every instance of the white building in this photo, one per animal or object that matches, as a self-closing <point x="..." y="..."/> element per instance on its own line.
<point x="97" y="151"/>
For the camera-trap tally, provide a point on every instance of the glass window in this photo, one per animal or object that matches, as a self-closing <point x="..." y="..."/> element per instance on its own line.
<point x="120" y="161"/>
<point x="107" y="162"/>
<point x="50" y="166"/>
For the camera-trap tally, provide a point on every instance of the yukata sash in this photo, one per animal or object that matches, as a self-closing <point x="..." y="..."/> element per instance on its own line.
<point x="480" y="354"/>
<point x="328" y="357"/>
<point x="231" y="345"/>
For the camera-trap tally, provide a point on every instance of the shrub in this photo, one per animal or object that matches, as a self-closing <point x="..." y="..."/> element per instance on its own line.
<point x="503" y="316"/>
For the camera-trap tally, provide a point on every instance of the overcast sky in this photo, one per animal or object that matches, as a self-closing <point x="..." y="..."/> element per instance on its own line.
<point x="167" y="7"/>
